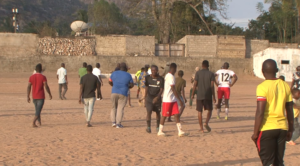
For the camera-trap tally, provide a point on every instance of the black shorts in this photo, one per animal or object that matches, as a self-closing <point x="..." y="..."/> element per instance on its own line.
<point x="153" y="107"/>
<point x="207" y="104"/>
<point x="271" y="146"/>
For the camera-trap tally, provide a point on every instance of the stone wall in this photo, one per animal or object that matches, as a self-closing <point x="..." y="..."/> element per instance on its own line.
<point x="231" y="47"/>
<point x="255" y="46"/>
<point x="18" y="44"/>
<point x="123" y="45"/>
<point x="108" y="63"/>
<point x="199" y="45"/>
<point x="67" y="47"/>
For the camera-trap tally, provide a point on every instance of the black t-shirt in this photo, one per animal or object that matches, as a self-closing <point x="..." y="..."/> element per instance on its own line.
<point x="89" y="83"/>
<point x="204" y="78"/>
<point x="154" y="85"/>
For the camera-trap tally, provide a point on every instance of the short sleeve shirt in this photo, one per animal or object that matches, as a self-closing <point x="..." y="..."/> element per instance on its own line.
<point x="276" y="93"/>
<point x="121" y="81"/>
<point x="37" y="81"/>
<point x="61" y="73"/>
<point x="154" y="85"/>
<point x="169" y="96"/>
<point x="204" y="78"/>
<point x="224" y="77"/>
<point x="137" y="74"/>
<point x="296" y="110"/>
<point x="142" y="78"/>
<point x="82" y="71"/>
<point x="179" y="83"/>
<point x="89" y="83"/>
<point x="97" y="72"/>
<point x="296" y="78"/>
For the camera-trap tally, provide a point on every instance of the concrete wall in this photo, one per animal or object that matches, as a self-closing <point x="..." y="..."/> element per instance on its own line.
<point x="284" y="45"/>
<point x="122" y="45"/>
<point x="140" y="45"/>
<point x="199" y="45"/>
<point x="110" y="45"/>
<point x="108" y="63"/>
<point x="255" y="46"/>
<point x="18" y="44"/>
<point x="231" y="47"/>
<point x="278" y="54"/>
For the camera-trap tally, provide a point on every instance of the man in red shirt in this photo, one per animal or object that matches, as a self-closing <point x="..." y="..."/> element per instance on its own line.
<point x="38" y="82"/>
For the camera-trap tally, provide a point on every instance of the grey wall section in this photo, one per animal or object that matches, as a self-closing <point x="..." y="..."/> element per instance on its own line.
<point x="18" y="44"/>
<point x="255" y="46"/>
<point x="108" y="64"/>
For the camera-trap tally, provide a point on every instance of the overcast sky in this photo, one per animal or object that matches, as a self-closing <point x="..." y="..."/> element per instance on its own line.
<point x="240" y="11"/>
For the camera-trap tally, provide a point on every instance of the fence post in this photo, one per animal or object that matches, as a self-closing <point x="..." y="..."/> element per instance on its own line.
<point x="169" y="51"/>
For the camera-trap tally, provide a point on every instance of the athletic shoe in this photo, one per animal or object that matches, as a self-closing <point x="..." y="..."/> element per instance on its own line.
<point x="119" y="126"/>
<point x="148" y="130"/>
<point x="226" y="117"/>
<point x="207" y="128"/>
<point x="114" y="125"/>
<point x="161" y="134"/>
<point x="182" y="134"/>
<point x="218" y="117"/>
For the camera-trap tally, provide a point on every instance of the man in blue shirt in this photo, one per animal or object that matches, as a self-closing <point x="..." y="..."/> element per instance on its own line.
<point x="120" y="81"/>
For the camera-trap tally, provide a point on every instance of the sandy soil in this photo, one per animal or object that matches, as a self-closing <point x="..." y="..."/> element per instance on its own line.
<point x="64" y="140"/>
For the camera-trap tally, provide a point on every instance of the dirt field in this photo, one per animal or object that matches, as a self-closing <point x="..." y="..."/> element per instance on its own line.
<point x="65" y="140"/>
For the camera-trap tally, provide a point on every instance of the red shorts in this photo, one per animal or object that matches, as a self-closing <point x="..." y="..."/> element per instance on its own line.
<point x="223" y="91"/>
<point x="169" y="109"/>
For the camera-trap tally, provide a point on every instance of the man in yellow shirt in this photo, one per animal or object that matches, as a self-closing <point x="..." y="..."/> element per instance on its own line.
<point x="272" y="126"/>
<point x="296" y="100"/>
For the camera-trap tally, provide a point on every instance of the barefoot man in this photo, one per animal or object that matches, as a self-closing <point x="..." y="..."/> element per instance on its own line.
<point x="154" y="89"/>
<point x="274" y="118"/>
<point x="204" y="81"/>
<point x="170" y="106"/>
<point x="224" y="84"/>
<point x="38" y="82"/>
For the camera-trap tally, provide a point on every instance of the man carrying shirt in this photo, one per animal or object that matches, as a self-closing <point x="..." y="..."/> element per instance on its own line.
<point x="120" y="81"/>
<point x="154" y="89"/>
<point x="274" y="118"/>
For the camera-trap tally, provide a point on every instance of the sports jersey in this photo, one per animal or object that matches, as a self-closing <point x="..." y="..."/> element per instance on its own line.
<point x="224" y="77"/>
<point x="296" y="78"/>
<point x="169" y="96"/>
<point x="276" y="93"/>
<point x="142" y="79"/>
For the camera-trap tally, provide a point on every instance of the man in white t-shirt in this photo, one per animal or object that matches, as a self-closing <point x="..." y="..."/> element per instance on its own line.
<point x="62" y="81"/>
<point x="224" y="82"/>
<point x="97" y="73"/>
<point x="169" y="105"/>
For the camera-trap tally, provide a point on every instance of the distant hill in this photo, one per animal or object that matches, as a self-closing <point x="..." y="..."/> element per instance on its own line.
<point x="55" y="11"/>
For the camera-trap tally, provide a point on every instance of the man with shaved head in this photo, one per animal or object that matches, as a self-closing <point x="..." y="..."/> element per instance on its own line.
<point x="224" y="83"/>
<point x="62" y="81"/>
<point x="296" y="79"/>
<point x="274" y="118"/>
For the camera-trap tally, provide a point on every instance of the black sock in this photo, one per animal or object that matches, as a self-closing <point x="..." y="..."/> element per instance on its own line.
<point x="148" y="123"/>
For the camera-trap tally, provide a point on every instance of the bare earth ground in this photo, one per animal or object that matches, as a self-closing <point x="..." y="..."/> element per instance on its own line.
<point x="64" y="140"/>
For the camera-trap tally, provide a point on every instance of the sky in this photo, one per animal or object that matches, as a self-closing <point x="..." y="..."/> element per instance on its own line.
<point x="240" y="11"/>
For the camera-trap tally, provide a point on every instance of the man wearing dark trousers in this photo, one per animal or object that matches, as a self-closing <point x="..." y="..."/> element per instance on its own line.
<point x="274" y="118"/>
<point x="38" y="82"/>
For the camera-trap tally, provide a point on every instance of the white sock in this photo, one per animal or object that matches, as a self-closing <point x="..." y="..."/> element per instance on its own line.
<point x="161" y="128"/>
<point x="226" y="111"/>
<point x="218" y="112"/>
<point x="179" y="127"/>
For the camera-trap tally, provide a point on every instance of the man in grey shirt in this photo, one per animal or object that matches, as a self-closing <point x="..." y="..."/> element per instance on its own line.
<point x="204" y="81"/>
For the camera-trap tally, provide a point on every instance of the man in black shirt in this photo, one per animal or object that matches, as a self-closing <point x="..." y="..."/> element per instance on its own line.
<point x="204" y="81"/>
<point x="88" y="84"/>
<point x="154" y="87"/>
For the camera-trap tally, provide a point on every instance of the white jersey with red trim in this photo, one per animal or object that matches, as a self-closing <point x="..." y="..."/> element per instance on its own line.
<point x="224" y="77"/>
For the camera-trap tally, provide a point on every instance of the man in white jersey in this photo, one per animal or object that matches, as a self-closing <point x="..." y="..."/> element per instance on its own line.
<point x="224" y="83"/>
<point x="169" y="103"/>
<point x="62" y="81"/>
<point x="97" y="73"/>
<point x="296" y="79"/>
